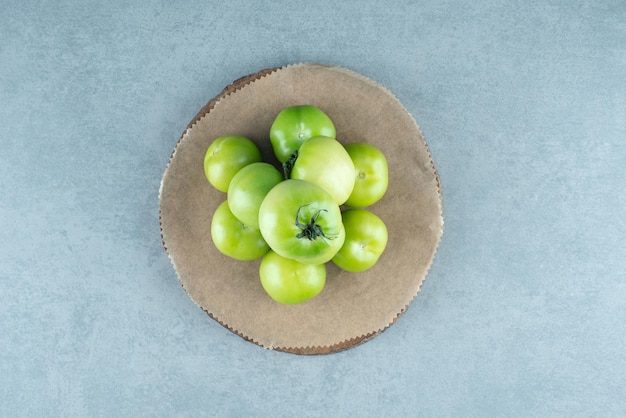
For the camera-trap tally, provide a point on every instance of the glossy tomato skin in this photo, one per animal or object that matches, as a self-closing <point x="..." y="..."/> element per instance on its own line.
<point x="226" y="156"/>
<point x="248" y="188"/>
<point x="301" y="221"/>
<point x="290" y="282"/>
<point x="324" y="161"/>
<point x="234" y="239"/>
<point x="296" y="124"/>
<point x="371" y="174"/>
<point x="366" y="239"/>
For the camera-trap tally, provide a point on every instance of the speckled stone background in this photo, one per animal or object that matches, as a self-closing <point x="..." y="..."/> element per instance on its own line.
<point x="523" y="105"/>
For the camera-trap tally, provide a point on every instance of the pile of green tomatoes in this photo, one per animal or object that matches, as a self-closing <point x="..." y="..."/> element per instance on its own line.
<point x="298" y="215"/>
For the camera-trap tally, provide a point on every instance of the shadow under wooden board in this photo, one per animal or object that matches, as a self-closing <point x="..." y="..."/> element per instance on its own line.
<point x="353" y="307"/>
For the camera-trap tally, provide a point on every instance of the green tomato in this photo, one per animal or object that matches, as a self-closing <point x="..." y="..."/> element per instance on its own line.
<point x="366" y="239"/>
<point x="226" y="156"/>
<point x="290" y="282"/>
<point x="234" y="239"/>
<point x="325" y="162"/>
<point x="248" y="189"/>
<point x="294" y="125"/>
<point x="372" y="174"/>
<point x="301" y="221"/>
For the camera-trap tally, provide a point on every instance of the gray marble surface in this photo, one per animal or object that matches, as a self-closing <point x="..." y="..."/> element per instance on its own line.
<point x="523" y="105"/>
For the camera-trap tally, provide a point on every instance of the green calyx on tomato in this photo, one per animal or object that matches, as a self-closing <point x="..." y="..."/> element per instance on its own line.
<point x="226" y="156"/>
<point x="371" y="174"/>
<point x="311" y="230"/>
<point x="301" y="221"/>
<point x="289" y="281"/>
<point x="366" y="239"/>
<point x="296" y="124"/>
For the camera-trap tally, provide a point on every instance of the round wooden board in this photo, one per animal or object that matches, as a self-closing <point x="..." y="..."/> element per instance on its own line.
<point x="353" y="307"/>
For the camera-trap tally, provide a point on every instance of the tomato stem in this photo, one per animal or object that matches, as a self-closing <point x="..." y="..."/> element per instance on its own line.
<point x="312" y="230"/>
<point x="288" y="165"/>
